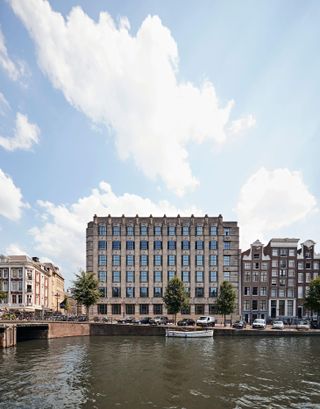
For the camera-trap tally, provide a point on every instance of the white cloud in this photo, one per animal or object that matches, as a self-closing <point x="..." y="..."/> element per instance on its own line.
<point x="61" y="235"/>
<point x="13" y="70"/>
<point x="242" y="124"/>
<point x="271" y="200"/>
<point x="129" y="83"/>
<point x="25" y="135"/>
<point x="11" y="203"/>
<point x="4" y="104"/>
<point x="15" y="249"/>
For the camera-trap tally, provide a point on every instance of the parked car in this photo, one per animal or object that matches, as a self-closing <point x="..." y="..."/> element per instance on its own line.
<point x="278" y="325"/>
<point x="159" y="320"/>
<point x="314" y="324"/>
<point x="206" y="321"/>
<point x="146" y="320"/>
<point x="303" y="324"/>
<point x="259" y="323"/>
<point x="126" y="320"/>
<point x="239" y="324"/>
<point x="186" y="322"/>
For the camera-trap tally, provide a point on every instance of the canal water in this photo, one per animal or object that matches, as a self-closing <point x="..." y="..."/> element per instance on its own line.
<point x="154" y="372"/>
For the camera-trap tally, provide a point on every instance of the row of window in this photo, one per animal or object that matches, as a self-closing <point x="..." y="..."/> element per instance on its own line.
<point x="283" y="263"/>
<point x="158" y="230"/>
<point x="157" y="245"/>
<point x="157" y="260"/>
<point x="157" y="292"/>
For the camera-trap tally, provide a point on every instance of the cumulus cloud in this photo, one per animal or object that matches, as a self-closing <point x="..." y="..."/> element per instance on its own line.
<point x="25" y="135"/>
<point x="15" y="249"/>
<point x="242" y="124"/>
<point x="61" y="234"/>
<point x="15" y="71"/>
<point x="129" y="83"/>
<point x="270" y="200"/>
<point x="11" y="202"/>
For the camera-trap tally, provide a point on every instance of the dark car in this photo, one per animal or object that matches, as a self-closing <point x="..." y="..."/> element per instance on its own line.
<point x="186" y="322"/>
<point x="239" y="324"/>
<point x="146" y="320"/>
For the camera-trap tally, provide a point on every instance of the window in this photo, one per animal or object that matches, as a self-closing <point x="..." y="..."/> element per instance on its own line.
<point x="227" y="245"/>
<point x="157" y="260"/>
<point x="308" y="265"/>
<point x="283" y="252"/>
<point x="143" y="276"/>
<point x="199" y="230"/>
<point x="256" y="266"/>
<point x="130" y="309"/>
<point x="144" y="309"/>
<point x="254" y="304"/>
<point x="263" y="305"/>
<point x="185" y="245"/>
<point x="212" y="260"/>
<point x="291" y="263"/>
<point x="102" y="260"/>
<point x="102" y="230"/>
<point x="226" y="260"/>
<point x="103" y="292"/>
<point x="247" y="266"/>
<point x="263" y="291"/>
<point x="283" y="263"/>
<point x="264" y="266"/>
<point x="254" y="290"/>
<point x="282" y="292"/>
<point x="226" y="231"/>
<point x="130" y="231"/>
<point x="274" y="263"/>
<point x="283" y="273"/>
<point x="213" y="245"/>
<point x="291" y="273"/>
<point x="187" y="291"/>
<point x="157" y="245"/>
<point x="255" y="276"/>
<point x="116" y="292"/>
<point x="199" y="309"/>
<point x="143" y="230"/>
<point x="130" y="276"/>
<point x="102" y="245"/>
<point x="213" y="292"/>
<point x="171" y="245"/>
<point x="308" y="277"/>
<point x="116" y="245"/>
<point x="171" y="230"/>
<point x="130" y="245"/>
<point x="199" y="245"/>
<point x="292" y="252"/>
<point x="116" y="276"/>
<point x="171" y="260"/>
<point x="246" y="290"/>
<point x="130" y="292"/>
<point x="185" y="276"/>
<point x="116" y="309"/>
<point x="256" y="256"/>
<point x="300" y="278"/>
<point x="274" y="273"/>
<point x="213" y="230"/>
<point x="157" y="309"/>
<point x="116" y="260"/>
<point x="185" y="230"/>
<point x="316" y="265"/>
<point x="199" y="260"/>
<point x="157" y="230"/>
<point x="246" y="305"/>
<point x="300" y="292"/>
<point x="275" y="252"/>
<point x="199" y="276"/>
<point x="199" y="292"/>
<point x="102" y="276"/>
<point x="115" y="230"/>
<point x="130" y="260"/>
<point x="185" y="260"/>
<point x="102" y="309"/>
<point x="291" y="282"/>
<point x="143" y="260"/>
<point x="226" y="275"/>
<point x="143" y="245"/>
<point x="247" y="276"/>
<point x="144" y="292"/>
<point x="290" y="292"/>
<point x="290" y="308"/>
<point x="212" y="276"/>
<point x="171" y="275"/>
<point x="300" y="265"/>
<point x="157" y="292"/>
<point x="157" y="276"/>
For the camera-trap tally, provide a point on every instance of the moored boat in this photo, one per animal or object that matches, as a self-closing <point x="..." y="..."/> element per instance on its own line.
<point x="189" y="334"/>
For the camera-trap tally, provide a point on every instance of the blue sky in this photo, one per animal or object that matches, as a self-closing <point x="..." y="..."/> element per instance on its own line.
<point x="156" y="107"/>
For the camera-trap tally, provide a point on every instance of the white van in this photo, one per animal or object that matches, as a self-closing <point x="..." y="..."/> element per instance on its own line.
<point x="206" y="321"/>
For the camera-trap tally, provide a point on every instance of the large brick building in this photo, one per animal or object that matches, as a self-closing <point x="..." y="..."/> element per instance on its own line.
<point x="135" y="257"/>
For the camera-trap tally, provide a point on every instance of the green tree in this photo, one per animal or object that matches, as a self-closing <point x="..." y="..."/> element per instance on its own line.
<point x="65" y="304"/>
<point x="175" y="297"/>
<point x="3" y="295"/>
<point x="312" y="299"/>
<point x="226" y="300"/>
<point x="85" y="290"/>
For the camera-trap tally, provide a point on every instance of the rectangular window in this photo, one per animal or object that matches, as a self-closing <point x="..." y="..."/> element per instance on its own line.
<point x="116" y="276"/>
<point x="290" y="308"/>
<point x="283" y="252"/>
<point x="103" y="292"/>
<point x="116" y="245"/>
<point x="213" y="230"/>
<point x="130" y="245"/>
<point x="246" y="305"/>
<point x="300" y="278"/>
<point x="254" y="290"/>
<point x="283" y="263"/>
<point x="282" y="292"/>
<point x="199" y="230"/>
<point x="185" y="276"/>
<point x="157" y="231"/>
<point x="227" y="245"/>
<point x="157" y="245"/>
<point x="157" y="292"/>
<point x="199" y="260"/>
<point x="199" y="277"/>
<point x="300" y="265"/>
<point x="263" y="305"/>
<point x="275" y="252"/>
<point x="291" y="282"/>
<point x="157" y="309"/>
<point x="213" y="276"/>
<point x="226" y="275"/>
<point x="185" y="230"/>
<point x="143" y="260"/>
<point x="130" y="231"/>
<point x="143" y="230"/>
<point x="130" y="292"/>
<point x="116" y="292"/>
<point x="213" y="292"/>
<point x="171" y="245"/>
<point x="116" y="260"/>
<point x="199" y="292"/>
<point x="171" y="260"/>
<point x="185" y="260"/>
<point x="116" y="230"/>
<point x="171" y="230"/>
<point x="158" y="276"/>
<point x="143" y="276"/>
<point x="102" y="260"/>
<point x="292" y="252"/>
<point x="130" y="276"/>
<point x="263" y="291"/>
<point x="247" y="276"/>
<point x="246" y="290"/>
<point x="226" y="231"/>
<point x="130" y="260"/>
<point x="255" y="276"/>
<point x="264" y="266"/>
<point x="290" y="292"/>
<point x="187" y="291"/>
<point x="157" y="260"/>
<point x="213" y="245"/>
<point x="102" y="245"/>
<point x="199" y="245"/>
<point x="102" y="309"/>
<point x="143" y="245"/>
<point x="300" y="292"/>
<point x="171" y="275"/>
<point x="102" y="230"/>
<point x="263" y="276"/>
<point x="102" y="276"/>
<point x="247" y="266"/>
<point x="256" y="256"/>
<point x="144" y="309"/>
<point x="144" y="292"/>
<point x="185" y="245"/>
<point x="116" y="309"/>
<point x="213" y="260"/>
<point x="130" y="309"/>
<point x="226" y="260"/>
<point x="199" y="309"/>
<point x="254" y="304"/>
<point x="292" y="263"/>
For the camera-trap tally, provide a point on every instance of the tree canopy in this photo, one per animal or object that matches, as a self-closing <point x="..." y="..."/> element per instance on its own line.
<point x="312" y="299"/>
<point x="175" y="297"/>
<point x="3" y="295"/>
<point x="226" y="300"/>
<point x="85" y="290"/>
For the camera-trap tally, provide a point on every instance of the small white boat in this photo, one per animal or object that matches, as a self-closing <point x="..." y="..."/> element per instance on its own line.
<point x="189" y="334"/>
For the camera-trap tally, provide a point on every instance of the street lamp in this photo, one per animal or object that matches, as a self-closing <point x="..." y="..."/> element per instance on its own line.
<point x="57" y="295"/>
